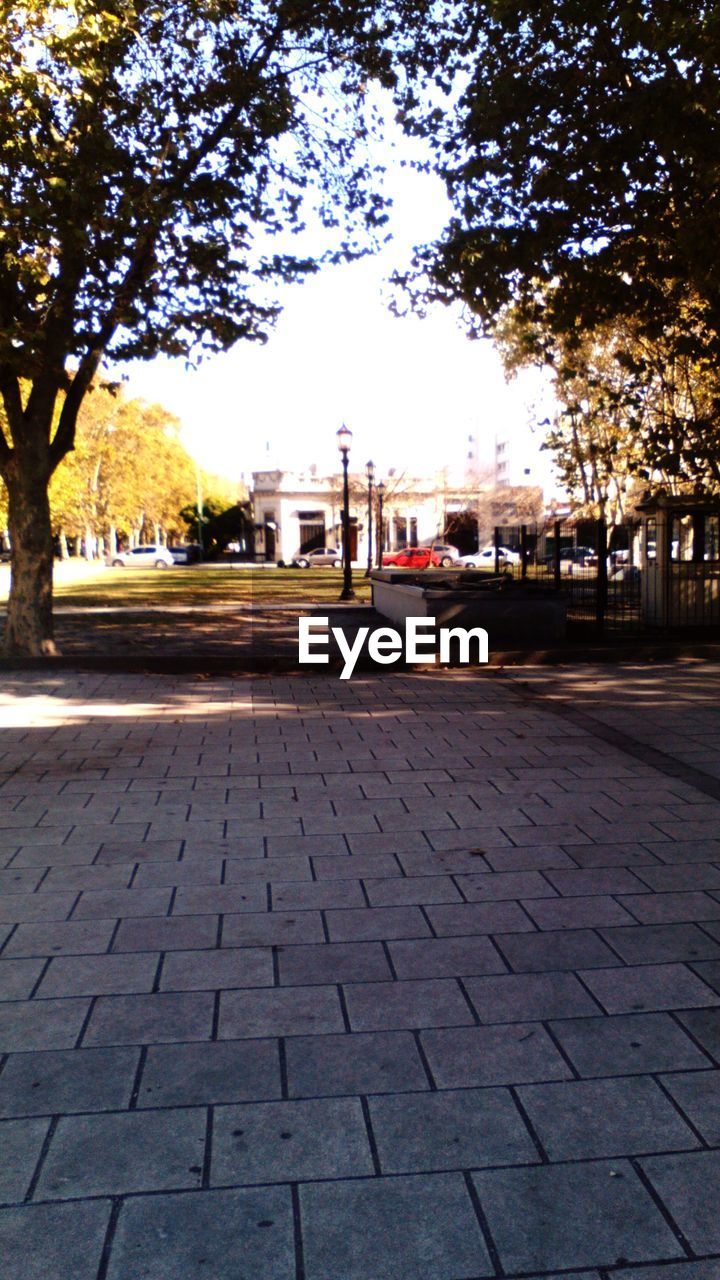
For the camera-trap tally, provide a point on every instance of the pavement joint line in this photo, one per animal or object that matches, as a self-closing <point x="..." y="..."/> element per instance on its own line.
<point x="389" y="960"/>
<point x="498" y="948"/>
<point x="484" y="1226"/>
<point x="41" y="975"/>
<point x="135" y="1091"/>
<point x="646" y="754"/>
<point x="297" y="1232"/>
<point x="370" y="1135"/>
<point x="157" y="977"/>
<point x="111" y="941"/>
<point x="343" y="1007"/>
<point x="547" y="1027"/>
<point x="542" y="1153"/>
<point x="662" y="1207"/>
<point x="42" y="1156"/>
<point x="86" y="1020"/>
<point x="700" y="924"/>
<point x="605" y="969"/>
<point x="207" y="1154"/>
<point x="477" y="1021"/>
<point x="657" y="1077"/>
<point x="698" y="1045"/>
<point x="424" y="1060"/>
<point x="13" y="930"/>
<point x="116" y="1206"/>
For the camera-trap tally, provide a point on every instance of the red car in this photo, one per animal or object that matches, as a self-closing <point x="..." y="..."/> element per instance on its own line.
<point x="410" y="558"/>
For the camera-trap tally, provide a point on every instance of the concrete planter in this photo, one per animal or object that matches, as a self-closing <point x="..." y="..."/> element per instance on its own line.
<point x="513" y="613"/>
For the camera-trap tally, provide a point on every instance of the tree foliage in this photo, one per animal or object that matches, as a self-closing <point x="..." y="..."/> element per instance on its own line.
<point x="580" y="144"/>
<point x="144" y="149"/>
<point x="220" y="524"/>
<point x="128" y="476"/>
<point x="128" y="471"/>
<point x="154" y="163"/>
<point x="632" y="411"/>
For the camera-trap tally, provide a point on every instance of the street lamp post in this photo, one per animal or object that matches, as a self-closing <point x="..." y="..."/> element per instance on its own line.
<point x="380" y="490"/>
<point x="344" y="438"/>
<point x="370" y="473"/>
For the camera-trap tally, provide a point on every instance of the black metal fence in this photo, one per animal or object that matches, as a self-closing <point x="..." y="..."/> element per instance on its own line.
<point x="596" y="569"/>
<point x="692" y="594"/>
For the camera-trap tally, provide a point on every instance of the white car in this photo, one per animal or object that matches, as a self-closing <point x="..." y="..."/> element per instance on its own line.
<point x="486" y="557"/>
<point x="320" y="558"/>
<point x="444" y="554"/>
<point x="143" y="558"/>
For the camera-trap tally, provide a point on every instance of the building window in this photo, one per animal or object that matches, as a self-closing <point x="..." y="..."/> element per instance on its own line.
<point x="681" y="538"/>
<point x="413" y="531"/>
<point x="712" y="538"/>
<point x="270" y="535"/>
<point x="312" y="535"/>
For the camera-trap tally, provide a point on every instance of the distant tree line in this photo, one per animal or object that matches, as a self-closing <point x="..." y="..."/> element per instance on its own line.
<point x="129" y="480"/>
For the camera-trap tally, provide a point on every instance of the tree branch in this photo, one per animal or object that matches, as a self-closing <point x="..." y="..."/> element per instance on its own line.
<point x="12" y="402"/>
<point x="64" y="438"/>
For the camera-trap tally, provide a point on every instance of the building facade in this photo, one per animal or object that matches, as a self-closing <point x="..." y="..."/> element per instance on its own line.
<point x="295" y="512"/>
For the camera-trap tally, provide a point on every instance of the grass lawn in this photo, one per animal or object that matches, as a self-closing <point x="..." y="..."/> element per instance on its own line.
<point x="201" y="585"/>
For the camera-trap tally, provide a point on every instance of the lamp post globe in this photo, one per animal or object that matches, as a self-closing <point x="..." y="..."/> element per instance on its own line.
<point x="344" y="438"/>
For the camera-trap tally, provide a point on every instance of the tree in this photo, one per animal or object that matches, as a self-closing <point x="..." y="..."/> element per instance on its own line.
<point x="156" y="478"/>
<point x="221" y="525"/>
<point x="128" y="471"/>
<point x="632" y="408"/>
<point x="3" y="514"/>
<point x="148" y="156"/>
<point x="579" y="143"/>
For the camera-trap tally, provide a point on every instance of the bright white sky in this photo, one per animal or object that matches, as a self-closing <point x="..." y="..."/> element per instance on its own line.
<point x="411" y="390"/>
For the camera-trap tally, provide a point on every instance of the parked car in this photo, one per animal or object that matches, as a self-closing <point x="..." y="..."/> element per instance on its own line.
<point x="485" y="558"/>
<point x="444" y="554"/>
<point x="571" y="559"/>
<point x="320" y="558"/>
<point x="143" y="558"/>
<point x="186" y="553"/>
<point x="410" y="558"/>
<point x="624" y="573"/>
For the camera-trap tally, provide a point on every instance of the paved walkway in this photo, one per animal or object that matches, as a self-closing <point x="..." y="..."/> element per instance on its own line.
<point x="407" y="978"/>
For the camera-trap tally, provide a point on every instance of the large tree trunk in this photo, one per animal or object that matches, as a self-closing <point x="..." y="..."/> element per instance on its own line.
<point x="29" y="624"/>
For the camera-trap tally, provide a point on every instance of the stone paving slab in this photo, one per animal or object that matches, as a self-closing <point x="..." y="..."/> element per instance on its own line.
<point x="245" y="1234"/>
<point x="556" y="1216"/>
<point x="413" y="977"/>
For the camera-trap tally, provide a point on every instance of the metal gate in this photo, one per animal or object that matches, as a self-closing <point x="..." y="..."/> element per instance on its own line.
<point x="596" y="569"/>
